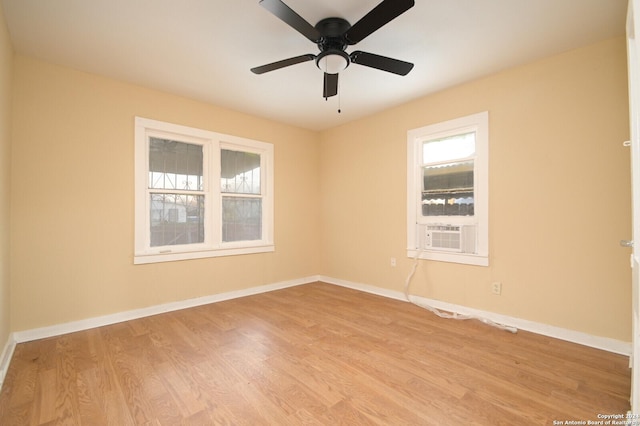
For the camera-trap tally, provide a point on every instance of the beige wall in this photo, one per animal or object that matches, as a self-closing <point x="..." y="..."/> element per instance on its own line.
<point x="559" y="194"/>
<point x="6" y="66"/>
<point x="73" y="203"/>
<point x="559" y="197"/>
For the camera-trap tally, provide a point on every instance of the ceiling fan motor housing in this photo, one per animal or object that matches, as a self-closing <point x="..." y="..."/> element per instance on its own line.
<point x="332" y="57"/>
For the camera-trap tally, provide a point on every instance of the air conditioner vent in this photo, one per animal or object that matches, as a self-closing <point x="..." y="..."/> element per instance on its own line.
<point x="447" y="237"/>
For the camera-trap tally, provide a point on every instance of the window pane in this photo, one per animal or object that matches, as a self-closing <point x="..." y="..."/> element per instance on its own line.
<point x="240" y="172"/>
<point x="450" y="148"/>
<point x="176" y="219"/>
<point x="448" y="190"/>
<point x="175" y="165"/>
<point x="241" y="219"/>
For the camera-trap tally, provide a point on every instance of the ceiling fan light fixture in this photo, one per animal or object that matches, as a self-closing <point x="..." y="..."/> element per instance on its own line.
<point x="332" y="61"/>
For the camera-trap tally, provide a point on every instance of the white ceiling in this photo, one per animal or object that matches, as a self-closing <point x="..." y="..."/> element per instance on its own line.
<point x="203" y="49"/>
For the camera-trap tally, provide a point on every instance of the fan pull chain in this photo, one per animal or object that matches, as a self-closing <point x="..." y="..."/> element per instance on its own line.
<point x="339" y="94"/>
<point x="326" y="98"/>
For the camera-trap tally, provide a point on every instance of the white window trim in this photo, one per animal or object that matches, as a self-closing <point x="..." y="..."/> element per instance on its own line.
<point x="480" y="124"/>
<point x="212" y="143"/>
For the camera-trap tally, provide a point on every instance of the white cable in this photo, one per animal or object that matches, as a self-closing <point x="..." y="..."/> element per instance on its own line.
<point x="447" y="315"/>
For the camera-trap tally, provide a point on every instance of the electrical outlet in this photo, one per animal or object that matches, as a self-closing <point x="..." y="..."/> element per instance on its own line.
<point x="496" y="287"/>
<point x="393" y="261"/>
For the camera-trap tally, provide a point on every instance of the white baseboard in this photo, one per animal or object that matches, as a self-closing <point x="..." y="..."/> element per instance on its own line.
<point x="604" y="343"/>
<point x="71" y="327"/>
<point x="5" y="358"/>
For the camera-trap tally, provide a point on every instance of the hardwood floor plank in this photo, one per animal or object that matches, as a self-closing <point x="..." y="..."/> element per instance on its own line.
<point x="314" y="354"/>
<point x="315" y="380"/>
<point x="129" y="373"/>
<point x="46" y="395"/>
<point x="24" y="382"/>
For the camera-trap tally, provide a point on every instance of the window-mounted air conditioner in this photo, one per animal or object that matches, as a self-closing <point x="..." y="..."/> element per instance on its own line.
<point x="446" y="237"/>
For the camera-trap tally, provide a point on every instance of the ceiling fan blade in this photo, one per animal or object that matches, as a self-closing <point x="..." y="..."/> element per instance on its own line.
<point x="330" y="85"/>
<point x="380" y="15"/>
<point x="295" y="21"/>
<point x="383" y="63"/>
<point x="284" y="63"/>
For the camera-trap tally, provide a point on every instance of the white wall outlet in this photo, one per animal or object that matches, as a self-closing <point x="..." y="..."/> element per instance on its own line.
<point x="393" y="261"/>
<point x="496" y="287"/>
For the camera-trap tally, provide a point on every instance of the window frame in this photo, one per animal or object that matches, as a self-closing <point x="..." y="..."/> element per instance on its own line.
<point x="213" y="143"/>
<point x="478" y="123"/>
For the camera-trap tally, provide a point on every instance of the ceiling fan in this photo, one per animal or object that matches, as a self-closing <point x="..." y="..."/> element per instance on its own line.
<point x="333" y="36"/>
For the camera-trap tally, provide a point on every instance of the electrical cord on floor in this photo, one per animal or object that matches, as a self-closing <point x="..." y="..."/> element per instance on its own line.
<point x="447" y="315"/>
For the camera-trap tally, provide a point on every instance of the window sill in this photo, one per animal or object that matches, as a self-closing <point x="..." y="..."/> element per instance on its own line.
<point x="141" y="259"/>
<point x="467" y="259"/>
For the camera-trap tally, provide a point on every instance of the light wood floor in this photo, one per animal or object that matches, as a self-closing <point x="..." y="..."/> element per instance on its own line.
<point x="312" y="354"/>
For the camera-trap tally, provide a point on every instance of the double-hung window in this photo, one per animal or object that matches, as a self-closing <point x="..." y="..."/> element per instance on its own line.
<point x="200" y="193"/>
<point x="447" y="187"/>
